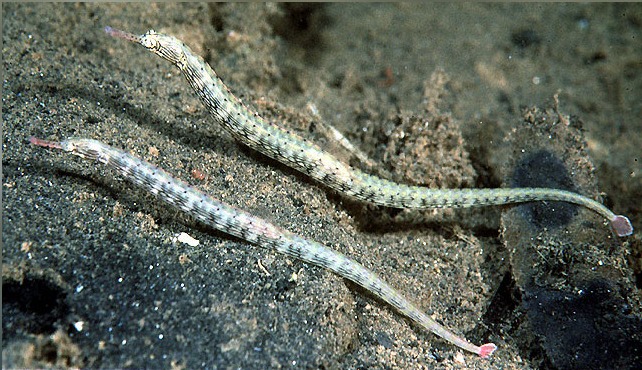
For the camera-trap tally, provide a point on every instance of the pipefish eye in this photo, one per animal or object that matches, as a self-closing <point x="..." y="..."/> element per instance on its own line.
<point x="68" y="146"/>
<point x="150" y="41"/>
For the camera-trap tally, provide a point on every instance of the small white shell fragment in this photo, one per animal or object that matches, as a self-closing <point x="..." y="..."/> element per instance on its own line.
<point x="187" y="239"/>
<point x="459" y="358"/>
<point x="79" y="325"/>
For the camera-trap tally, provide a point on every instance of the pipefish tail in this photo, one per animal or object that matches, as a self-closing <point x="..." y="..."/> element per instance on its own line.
<point x="294" y="151"/>
<point x="241" y="224"/>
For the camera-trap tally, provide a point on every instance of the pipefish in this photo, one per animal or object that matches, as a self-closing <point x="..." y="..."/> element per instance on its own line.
<point x="296" y="152"/>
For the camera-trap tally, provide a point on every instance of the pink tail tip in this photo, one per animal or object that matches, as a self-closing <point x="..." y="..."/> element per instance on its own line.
<point x="45" y="143"/>
<point x="622" y="226"/>
<point x="487" y="349"/>
<point x="121" y="34"/>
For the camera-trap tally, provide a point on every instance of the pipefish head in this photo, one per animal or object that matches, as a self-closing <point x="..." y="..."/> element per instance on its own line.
<point x="84" y="148"/>
<point x="165" y="46"/>
<point x="87" y="148"/>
